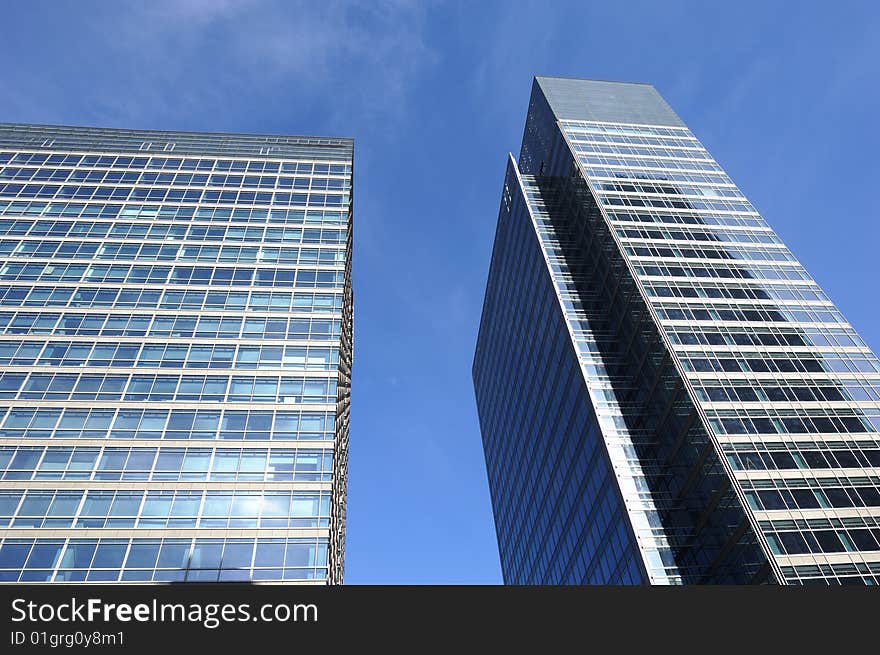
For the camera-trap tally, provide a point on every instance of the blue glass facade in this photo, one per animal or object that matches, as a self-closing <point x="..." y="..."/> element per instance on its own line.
<point x="175" y="353"/>
<point x="737" y="408"/>
<point x="559" y="515"/>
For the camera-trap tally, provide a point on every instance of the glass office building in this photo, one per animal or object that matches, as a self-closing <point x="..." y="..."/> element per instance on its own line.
<point x="175" y="355"/>
<point x="665" y="394"/>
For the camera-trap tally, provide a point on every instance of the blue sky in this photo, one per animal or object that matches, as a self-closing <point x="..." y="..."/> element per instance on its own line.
<point x="785" y="95"/>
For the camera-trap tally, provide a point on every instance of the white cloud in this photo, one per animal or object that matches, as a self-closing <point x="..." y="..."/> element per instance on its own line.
<point x="165" y="60"/>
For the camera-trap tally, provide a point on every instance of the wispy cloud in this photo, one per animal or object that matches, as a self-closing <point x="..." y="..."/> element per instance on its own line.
<point x="170" y="58"/>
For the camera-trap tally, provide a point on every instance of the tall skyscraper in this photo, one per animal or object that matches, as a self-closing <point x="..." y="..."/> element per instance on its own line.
<point x="665" y="395"/>
<point x="175" y="355"/>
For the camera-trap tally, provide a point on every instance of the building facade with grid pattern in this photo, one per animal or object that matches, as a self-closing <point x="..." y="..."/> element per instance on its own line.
<point x="665" y="394"/>
<point x="175" y="355"/>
